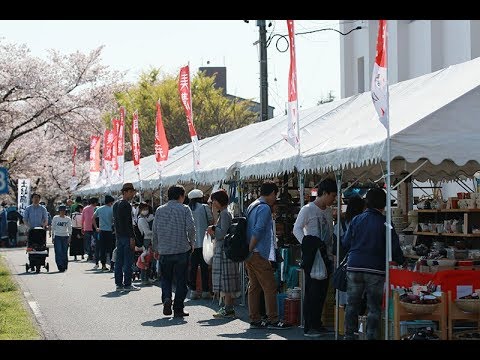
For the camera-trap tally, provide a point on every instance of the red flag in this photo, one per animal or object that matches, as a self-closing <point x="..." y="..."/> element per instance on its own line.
<point x="136" y="143"/>
<point x="186" y="98"/>
<point x="73" y="160"/>
<point x="121" y="142"/>
<point x="292" y="136"/>
<point x="379" y="86"/>
<point x="94" y="159"/>
<point x="161" y="143"/>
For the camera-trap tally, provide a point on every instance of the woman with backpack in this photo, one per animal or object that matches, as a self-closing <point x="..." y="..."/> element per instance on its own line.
<point x="145" y="222"/>
<point x="225" y="274"/>
<point x="203" y="217"/>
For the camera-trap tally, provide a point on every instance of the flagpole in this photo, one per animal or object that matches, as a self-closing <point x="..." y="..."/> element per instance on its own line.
<point x="388" y="226"/>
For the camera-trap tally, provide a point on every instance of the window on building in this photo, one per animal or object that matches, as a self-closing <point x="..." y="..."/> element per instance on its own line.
<point x="361" y="75"/>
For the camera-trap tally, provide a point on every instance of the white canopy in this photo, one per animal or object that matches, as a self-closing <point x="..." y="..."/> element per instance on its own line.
<point x="433" y="117"/>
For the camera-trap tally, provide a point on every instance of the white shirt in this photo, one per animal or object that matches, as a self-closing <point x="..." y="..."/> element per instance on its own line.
<point x="61" y="226"/>
<point x="312" y="220"/>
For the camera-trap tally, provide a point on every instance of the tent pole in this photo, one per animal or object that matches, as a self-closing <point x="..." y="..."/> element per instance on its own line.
<point x="338" y="175"/>
<point x="301" y="186"/>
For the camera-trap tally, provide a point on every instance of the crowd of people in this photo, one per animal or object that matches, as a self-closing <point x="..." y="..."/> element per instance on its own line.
<point x="167" y="244"/>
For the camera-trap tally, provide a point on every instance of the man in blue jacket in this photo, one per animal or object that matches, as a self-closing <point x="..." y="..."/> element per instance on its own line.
<point x="365" y="242"/>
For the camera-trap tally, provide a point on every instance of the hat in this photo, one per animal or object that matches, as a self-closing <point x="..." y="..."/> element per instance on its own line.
<point x="62" y="207"/>
<point x="127" y="186"/>
<point x="109" y="199"/>
<point x="195" y="193"/>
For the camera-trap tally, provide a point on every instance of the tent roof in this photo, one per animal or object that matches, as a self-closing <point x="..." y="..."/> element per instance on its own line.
<point x="432" y="117"/>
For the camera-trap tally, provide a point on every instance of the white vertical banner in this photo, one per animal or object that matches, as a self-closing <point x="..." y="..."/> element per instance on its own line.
<point x="379" y="86"/>
<point x="115" y="178"/>
<point x="293" y="128"/>
<point x="94" y="159"/>
<point x="23" y="198"/>
<point x="184" y="89"/>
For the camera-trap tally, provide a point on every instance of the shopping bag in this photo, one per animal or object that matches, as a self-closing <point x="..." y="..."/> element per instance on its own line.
<point x="340" y="276"/>
<point x="207" y="250"/>
<point x="319" y="271"/>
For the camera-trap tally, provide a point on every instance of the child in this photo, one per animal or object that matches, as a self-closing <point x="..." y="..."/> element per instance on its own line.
<point x="143" y="263"/>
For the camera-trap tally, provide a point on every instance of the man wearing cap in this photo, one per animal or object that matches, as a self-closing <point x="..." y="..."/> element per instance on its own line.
<point x="61" y="231"/>
<point x="122" y="220"/>
<point x="105" y="215"/>
<point x="35" y="215"/>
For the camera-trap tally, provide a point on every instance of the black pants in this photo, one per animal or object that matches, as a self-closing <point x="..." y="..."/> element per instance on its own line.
<point x="102" y="243"/>
<point x="12" y="233"/>
<point x="197" y="259"/>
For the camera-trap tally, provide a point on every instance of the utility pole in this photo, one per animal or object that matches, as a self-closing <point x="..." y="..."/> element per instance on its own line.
<point x="263" y="70"/>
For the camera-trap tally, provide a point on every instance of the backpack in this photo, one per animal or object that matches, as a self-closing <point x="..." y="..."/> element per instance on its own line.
<point x="235" y="243"/>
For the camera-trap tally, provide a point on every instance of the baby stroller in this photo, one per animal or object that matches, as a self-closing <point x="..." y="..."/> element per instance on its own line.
<point x="37" y="249"/>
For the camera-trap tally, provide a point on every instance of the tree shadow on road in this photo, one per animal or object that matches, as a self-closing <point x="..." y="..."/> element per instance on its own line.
<point x="166" y="321"/>
<point x="114" y="294"/>
<point x="252" y="334"/>
<point x="216" y="322"/>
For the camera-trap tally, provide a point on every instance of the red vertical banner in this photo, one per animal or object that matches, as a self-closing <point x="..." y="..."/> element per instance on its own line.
<point x="115" y="172"/>
<point x="292" y="136"/>
<point x="136" y="143"/>
<point x="94" y="159"/>
<point x="121" y="143"/>
<point x="161" y="143"/>
<point x="186" y="97"/>
<point x="379" y="86"/>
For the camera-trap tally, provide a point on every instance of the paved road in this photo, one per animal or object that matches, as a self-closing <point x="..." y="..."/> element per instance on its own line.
<point x="81" y="303"/>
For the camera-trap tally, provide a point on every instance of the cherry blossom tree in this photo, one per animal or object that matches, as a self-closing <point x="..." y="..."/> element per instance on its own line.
<point x="47" y="106"/>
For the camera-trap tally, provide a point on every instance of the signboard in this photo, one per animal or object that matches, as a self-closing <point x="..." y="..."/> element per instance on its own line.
<point x="3" y="180"/>
<point x="23" y="195"/>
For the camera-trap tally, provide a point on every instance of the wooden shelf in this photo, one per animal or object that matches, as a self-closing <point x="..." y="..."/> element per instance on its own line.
<point x="449" y="210"/>
<point x="445" y="234"/>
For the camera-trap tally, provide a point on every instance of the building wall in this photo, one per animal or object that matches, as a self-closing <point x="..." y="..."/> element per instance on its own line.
<point x="415" y="47"/>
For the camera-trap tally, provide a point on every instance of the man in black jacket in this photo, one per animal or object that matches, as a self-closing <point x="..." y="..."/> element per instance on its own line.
<point x="365" y="242"/>
<point x="122" y="220"/>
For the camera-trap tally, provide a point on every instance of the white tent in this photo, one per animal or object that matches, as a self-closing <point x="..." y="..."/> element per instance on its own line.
<point x="433" y="117"/>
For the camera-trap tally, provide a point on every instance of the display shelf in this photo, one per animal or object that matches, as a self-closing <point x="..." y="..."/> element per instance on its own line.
<point x="454" y="313"/>
<point x="445" y="234"/>
<point x="400" y="314"/>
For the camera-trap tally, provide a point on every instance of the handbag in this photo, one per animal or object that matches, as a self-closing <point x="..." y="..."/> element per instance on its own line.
<point x="340" y="275"/>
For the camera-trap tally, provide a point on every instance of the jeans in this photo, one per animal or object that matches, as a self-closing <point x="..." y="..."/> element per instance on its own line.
<point x="373" y="285"/>
<point x="60" y="245"/>
<point x="87" y="243"/>
<point x="12" y="233"/>
<point x="197" y="259"/>
<point x="123" y="263"/>
<point x="261" y="278"/>
<point x="170" y="266"/>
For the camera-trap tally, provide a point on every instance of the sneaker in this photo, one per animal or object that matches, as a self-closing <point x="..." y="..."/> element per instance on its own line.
<point x="131" y="288"/>
<point x="223" y="313"/>
<point x="104" y="268"/>
<point x="323" y="330"/>
<point x="279" y="325"/>
<point x="206" y="295"/>
<point x="167" y="307"/>
<point x="258" y="324"/>
<point x="119" y="288"/>
<point x="180" y="313"/>
<point x="95" y="267"/>
<point x="194" y="295"/>
<point x="312" y="333"/>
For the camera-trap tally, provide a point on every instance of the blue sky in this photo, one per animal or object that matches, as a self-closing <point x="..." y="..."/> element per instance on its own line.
<point x="135" y="45"/>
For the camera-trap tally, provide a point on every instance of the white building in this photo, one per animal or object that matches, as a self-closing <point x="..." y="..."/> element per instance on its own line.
<point x="415" y="47"/>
